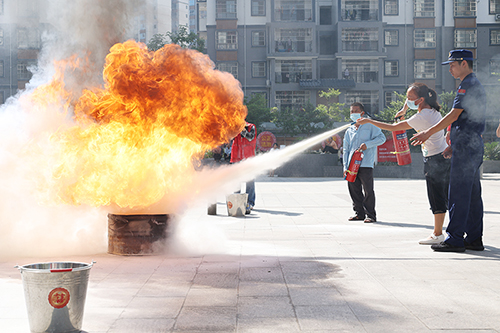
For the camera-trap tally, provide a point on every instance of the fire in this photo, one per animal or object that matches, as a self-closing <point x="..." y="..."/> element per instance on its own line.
<point x="134" y="138"/>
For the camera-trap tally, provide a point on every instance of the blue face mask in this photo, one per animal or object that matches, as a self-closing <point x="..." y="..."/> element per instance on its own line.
<point x="411" y="104"/>
<point x="355" y="116"/>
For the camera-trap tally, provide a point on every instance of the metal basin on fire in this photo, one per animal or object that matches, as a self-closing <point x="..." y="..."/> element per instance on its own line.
<point x="136" y="234"/>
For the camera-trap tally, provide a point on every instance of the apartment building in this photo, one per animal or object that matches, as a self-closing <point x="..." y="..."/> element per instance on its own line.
<point x="290" y="50"/>
<point x="22" y="23"/>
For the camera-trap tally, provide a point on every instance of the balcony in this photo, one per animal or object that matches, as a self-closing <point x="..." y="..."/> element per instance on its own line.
<point x="348" y="46"/>
<point x="363" y="76"/>
<point x="324" y="84"/>
<point x="293" y="46"/>
<point x="292" y="77"/>
<point x="292" y="15"/>
<point x="359" y="15"/>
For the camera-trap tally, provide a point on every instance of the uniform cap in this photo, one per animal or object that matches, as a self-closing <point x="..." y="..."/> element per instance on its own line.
<point x="458" y="55"/>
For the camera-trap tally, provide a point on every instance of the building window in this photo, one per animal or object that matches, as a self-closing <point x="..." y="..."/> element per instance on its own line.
<point x="1" y="36"/>
<point x="424" y="8"/>
<point x="259" y="69"/>
<point x="325" y="15"/>
<point x="230" y="67"/>
<point x="258" y="7"/>
<point x="359" y="10"/>
<point x="1" y="68"/>
<point x="464" y="8"/>
<point x="359" y="39"/>
<point x="425" y="69"/>
<point x="225" y="9"/>
<point x="1" y="13"/>
<point x="494" y="67"/>
<point x="369" y="99"/>
<point x="291" y="99"/>
<point x="391" y="37"/>
<point x="259" y="38"/>
<point x="391" y="68"/>
<point x="28" y="38"/>
<point x="391" y="7"/>
<point x="465" y="38"/>
<point x="23" y="74"/>
<point x="494" y="6"/>
<point x="227" y="40"/>
<point x="292" y="71"/>
<point x="361" y="71"/>
<point x="293" y="40"/>
<point x="2" y="97"/>
<point x="292" y="10"/>
<point x="424" y="38"/>
<point x="495" y="37"/>
<point x="390" y="97"/>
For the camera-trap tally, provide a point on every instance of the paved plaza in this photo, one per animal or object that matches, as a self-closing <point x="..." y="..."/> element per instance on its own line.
<point x="295" y="264"/>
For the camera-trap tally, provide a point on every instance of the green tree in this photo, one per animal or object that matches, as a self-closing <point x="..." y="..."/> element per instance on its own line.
<point x="258" y="112"/>
<point x="338" y="112"/>
<point x="446" y="101"/>
<point x="182" y="37"/>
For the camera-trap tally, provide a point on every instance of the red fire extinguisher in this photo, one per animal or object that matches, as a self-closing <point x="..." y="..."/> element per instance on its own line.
<point x="354" y="165"/>
<point x="402" y="152"/>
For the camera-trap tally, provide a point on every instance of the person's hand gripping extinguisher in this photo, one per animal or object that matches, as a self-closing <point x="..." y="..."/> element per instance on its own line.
<point x="356" y="158"/>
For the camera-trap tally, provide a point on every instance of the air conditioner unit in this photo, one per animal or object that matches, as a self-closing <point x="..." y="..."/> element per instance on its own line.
<point x="384" y="50"/>
<point x="497" y="17"/>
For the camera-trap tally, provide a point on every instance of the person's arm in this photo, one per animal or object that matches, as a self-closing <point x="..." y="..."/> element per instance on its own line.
<point x="422" y="136"/>
<point x="403" y="125"/>
<point x="498" y="131"/>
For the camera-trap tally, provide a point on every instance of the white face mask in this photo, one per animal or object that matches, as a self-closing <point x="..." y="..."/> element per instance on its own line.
<point x="411" y="104"/>
<point x="355" y="116"/>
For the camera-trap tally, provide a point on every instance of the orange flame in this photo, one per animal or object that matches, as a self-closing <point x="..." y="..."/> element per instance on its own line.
<point x="136" y="136"/>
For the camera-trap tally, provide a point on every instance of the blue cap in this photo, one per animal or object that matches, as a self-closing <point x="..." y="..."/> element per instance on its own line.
<point x="458" y="55"/>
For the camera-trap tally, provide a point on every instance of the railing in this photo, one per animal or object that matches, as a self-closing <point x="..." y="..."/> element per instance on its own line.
<point x="360" y="46"/>
<point x="293" y="15"/>
<point x="362" y="77"/>
<point x="293" y="46"/>
<point x="359" y="15"/>
<point x="292" y="77"/>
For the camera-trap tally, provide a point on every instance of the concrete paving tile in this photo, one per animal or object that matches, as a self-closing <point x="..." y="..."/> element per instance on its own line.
<point x="231" y="267"/>
<point x="265" y="307"/>
<point x="216" y="280"/>
<point x="261" y="274"/>
<point x="395" y="324"/>
<point x="327" y="317"/>
<point x="211" y="297"/>
<point x="153" y="307"/>
<point x="253" y="288"/>
<point x="15" y="325"/>
<point x="259" y="261"/>
<point x="316" y="296"/>
<point x="165" y="287"/>
<point x="216" y="319"/>
<point x="96" y="319"/>
<point x="142" y="325"/>
<point x="267" y="325"/>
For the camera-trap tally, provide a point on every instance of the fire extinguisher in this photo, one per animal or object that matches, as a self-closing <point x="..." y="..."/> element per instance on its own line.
<point x="402" y="152"/>
<point x="354" y="165"/>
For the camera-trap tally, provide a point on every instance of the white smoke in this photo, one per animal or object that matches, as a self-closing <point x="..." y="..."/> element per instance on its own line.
<point x="86" y="28"/>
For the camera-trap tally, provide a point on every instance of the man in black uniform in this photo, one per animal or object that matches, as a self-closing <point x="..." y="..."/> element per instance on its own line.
<point x="467" y="119"/>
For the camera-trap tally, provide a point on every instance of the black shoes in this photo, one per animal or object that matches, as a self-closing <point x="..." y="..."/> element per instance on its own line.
<point x="356" y="218"/>
<point x="445" y="247"/>
<point x="476" y="245"/>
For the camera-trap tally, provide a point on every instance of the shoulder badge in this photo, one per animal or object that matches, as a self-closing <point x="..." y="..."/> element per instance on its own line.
<point x="461" y="92"/>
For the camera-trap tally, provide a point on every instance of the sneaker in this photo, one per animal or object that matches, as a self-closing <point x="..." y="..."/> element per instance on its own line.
<point x="432" y="239"/>
<point x="476" y="245"/>
<point x="248" y="209"/>
<point x="356" y="218"/>
<point x="445" y="247"/>
<point x="369" y="220"/>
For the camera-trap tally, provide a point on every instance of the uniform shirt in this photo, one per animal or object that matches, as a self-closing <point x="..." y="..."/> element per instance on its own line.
<point x="423" y="120"/>
<point x="470" y="97"/>
<point x="368" y="134"/>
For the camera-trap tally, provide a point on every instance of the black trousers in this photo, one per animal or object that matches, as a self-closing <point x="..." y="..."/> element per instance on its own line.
<point x="363" y="203"/>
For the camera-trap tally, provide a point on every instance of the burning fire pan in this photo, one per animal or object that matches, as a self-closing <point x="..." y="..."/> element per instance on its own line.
<point x="136" y="234"/>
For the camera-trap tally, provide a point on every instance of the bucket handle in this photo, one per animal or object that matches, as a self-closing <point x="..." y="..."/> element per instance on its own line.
<point x="60" y="270"/>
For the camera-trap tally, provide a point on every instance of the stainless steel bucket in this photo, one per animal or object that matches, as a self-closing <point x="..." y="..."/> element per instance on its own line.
<point x="236" y="204"/>
<point x="55" y="295"/>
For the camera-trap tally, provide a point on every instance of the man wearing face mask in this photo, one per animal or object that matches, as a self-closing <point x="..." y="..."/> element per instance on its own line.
<point x="365" y="138"/>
